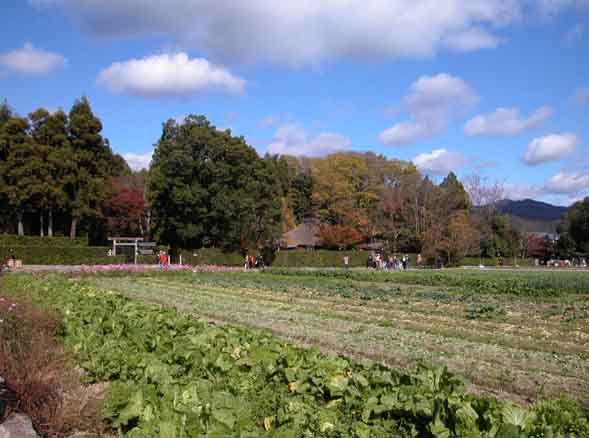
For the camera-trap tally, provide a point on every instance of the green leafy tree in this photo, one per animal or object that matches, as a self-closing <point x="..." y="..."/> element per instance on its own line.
<point x="578" y="224"/>
<point x="207" y="187"/>
<point x="455" y="196"/>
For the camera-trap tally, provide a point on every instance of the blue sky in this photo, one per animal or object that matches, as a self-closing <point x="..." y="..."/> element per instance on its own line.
<point x="494" y="87"/>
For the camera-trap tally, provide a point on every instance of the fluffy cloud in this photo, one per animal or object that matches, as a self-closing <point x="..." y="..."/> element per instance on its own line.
<point x="292" y="139"/>
<point x="472" y="39"/>
<point x="168" y="75"/>
<point x="29" y="60"/>
<point x="550" y="148"/>
<point x="505" y="121"/>
<point x="569" y="184"/>
<point x="581" y="96"/>
<point x="432" y="102"/>
<point x="138" y="161"/>
<point x="299" y="32"/>
<point x="439" y="162"/>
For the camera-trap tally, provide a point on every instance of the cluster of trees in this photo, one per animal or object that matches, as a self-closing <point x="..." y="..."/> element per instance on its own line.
<point x="209" y="188"/>
<point x="57" y="168"/>
<point x="206" y="187"/>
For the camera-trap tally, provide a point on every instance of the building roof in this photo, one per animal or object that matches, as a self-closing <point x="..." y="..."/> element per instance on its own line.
<point x="303" y="235"/>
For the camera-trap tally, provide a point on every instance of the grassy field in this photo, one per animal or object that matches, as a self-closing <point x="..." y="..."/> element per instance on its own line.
<point x="524" y="345"/>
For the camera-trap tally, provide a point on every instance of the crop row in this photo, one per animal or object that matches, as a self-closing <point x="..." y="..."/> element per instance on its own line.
<point x="172" y="375"/>
<point x="497" y="282"/>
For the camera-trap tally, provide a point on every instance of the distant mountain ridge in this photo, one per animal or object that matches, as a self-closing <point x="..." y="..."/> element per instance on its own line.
<point x="531" y="209"/>
<point x="528" y="215"/>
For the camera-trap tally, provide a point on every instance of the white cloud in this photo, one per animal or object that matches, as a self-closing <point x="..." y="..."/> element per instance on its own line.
<point x="303" y="32"/>
<point x="168" y="75"/>
<point x="517" y="192"/>
<point x="138" y="161"/>
<point x="506" y="121"/>
<point x="30" y="60"/>
<point x="432" y="102"/>
<point x="439" y="162"/>
<point x="569" y="184"/>
<point x="472" y="39"/>
<point x="581" y="96"/>
<point x="292" y="139"/>
<point x="550" y="148"/>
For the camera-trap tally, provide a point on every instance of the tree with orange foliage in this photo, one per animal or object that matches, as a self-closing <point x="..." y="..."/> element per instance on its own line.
<point x="339" y="236"/>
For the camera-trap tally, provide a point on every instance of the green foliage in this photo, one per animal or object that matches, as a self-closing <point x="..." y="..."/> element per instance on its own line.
<point x="212" y="256"/>
<point x="320" y="258"/>
<point x="60" y="255"/>
<point x="475" y="282"/>
<point x="578" y="222"/>
<point x="188" y="378"/>
<point x="11" y="239"/>
<point x="207" y="187"/>
<point x="484" y="311"/>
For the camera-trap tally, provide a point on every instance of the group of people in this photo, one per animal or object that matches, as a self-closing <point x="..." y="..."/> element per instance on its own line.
<point x="577" y="262"/>
<point x="380" y="261"/>
<point x="251" y="263"/>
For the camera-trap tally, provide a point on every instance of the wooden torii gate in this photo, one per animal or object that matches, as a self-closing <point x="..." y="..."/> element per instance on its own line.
<point x="135" y="242"/>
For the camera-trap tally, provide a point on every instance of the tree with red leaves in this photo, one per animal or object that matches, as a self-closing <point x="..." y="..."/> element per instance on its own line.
<point x="126" y="209"/>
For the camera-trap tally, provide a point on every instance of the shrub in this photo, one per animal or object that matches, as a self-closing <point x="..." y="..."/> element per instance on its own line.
<point x="12" y="240"/>
<point x="40" y="373"/>
<point x="36" y="255"/>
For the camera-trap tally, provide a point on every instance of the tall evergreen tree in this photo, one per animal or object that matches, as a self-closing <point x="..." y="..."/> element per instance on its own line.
<point x="5" y="211"/>
<point x="20" y="181"/>
<point x="92" y="162"/>
<point x="49" y="132"/>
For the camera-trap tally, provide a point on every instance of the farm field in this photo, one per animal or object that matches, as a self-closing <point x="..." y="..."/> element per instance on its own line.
<point x="219" y="354"/>
<point x="514" y="347"/>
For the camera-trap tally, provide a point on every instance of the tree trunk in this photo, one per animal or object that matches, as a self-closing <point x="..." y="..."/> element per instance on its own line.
<point x="42" y="224"/>
<point x="148" y="224"/>
<point x="21" y="229"/>
<point x="73" y="227"/>
<point x="50" y="223"/>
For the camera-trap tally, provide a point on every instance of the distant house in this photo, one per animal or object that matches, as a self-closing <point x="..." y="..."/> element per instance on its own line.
<point x="552" y="237"/>
<point x="303" y="236"/>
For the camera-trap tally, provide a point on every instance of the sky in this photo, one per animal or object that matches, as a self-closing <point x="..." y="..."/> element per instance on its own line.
<point x="497" y="88"/>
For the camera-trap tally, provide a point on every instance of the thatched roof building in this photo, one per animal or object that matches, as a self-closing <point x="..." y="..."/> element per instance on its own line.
<point x="303" y="236"/>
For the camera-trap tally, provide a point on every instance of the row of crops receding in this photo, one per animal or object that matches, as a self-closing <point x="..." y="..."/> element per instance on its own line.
<point x="528" y="283"/>
<point x="173" y="376"/>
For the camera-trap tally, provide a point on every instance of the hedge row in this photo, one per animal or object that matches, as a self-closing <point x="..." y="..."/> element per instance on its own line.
<point x="284" y="259"/>
<point x="12" y="240"/>
<point x="35" y="255"/>
<point x="320" y="258"/>
<point x="211" y="256"/>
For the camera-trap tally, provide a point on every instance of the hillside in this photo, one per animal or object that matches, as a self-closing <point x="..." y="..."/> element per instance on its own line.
<point x="530" y="215"/>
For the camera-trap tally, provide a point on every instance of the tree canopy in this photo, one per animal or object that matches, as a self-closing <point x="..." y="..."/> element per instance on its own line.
<point x="207" y="187"/>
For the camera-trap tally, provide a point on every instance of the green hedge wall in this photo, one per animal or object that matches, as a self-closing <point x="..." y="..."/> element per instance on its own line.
<point x="12" y="240"/>
<point x="211" y="256"/>
<point x="320" y="258"/>
<point x="35" y="255"/>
